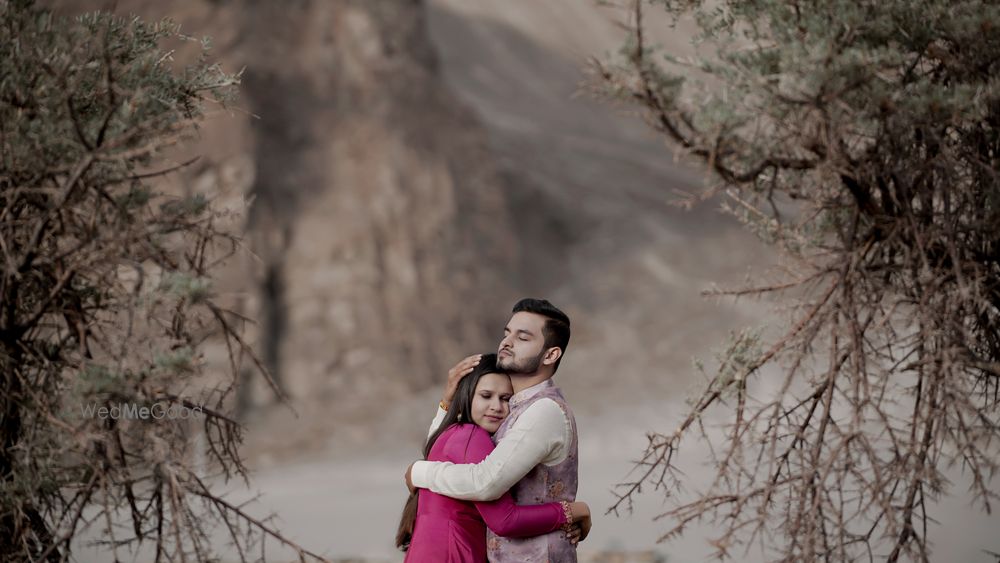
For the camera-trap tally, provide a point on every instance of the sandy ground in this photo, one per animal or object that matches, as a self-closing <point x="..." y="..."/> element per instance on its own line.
<point x="346" y="504"/>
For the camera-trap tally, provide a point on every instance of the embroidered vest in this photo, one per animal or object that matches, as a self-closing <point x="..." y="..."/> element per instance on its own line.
<point x="542" y="484"/>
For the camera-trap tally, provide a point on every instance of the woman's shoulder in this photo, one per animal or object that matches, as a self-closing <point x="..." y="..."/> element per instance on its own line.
<point x="468" y="430"/>
<point x="459" y="432"/>
<point x="468" y="444"/>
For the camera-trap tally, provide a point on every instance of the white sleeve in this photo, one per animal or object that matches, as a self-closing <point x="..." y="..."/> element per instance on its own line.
<point x="438" y="419"/>
<point x="538" y="436"/>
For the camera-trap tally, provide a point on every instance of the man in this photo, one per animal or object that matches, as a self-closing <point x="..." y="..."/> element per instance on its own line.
<point x="536" y="454"/>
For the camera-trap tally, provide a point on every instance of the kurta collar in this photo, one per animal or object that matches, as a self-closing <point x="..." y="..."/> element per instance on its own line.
<point x="525" y="394"/>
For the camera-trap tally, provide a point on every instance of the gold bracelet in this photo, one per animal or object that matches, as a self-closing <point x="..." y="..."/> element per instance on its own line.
<point x="569" y="516"/>
<point x="443" y="405"/>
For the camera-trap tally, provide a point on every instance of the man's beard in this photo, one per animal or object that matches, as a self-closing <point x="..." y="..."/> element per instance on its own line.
<point x="529" y="365"/>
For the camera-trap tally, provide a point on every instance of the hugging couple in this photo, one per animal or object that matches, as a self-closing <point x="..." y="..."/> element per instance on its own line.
<point x="500" y="470"/>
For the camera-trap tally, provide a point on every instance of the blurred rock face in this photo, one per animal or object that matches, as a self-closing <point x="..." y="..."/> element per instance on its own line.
<point x="392" y="232"/>
<point x="377" y="217"/>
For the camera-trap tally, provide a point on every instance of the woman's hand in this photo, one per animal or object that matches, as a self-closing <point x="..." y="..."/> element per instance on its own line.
<point x="409" y="479"/>
<point x="456" y="374"/>
<point x="582" y="523"/>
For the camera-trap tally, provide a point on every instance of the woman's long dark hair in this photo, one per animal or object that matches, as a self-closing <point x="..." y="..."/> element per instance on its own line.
<point x="459" y="411"/>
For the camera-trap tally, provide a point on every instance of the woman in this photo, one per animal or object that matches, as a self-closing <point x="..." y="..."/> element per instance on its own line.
<point x="435" y="528"/>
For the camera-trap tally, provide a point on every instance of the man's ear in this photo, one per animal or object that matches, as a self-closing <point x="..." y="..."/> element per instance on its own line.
<point x="552" y="355"/>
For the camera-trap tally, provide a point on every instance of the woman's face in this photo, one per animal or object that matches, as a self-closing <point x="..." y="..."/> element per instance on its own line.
<point x="490" y="401"/>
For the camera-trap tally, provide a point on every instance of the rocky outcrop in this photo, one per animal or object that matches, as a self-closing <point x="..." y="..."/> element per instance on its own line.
<point x="378" y="224"/>
<point x="392" y="228"/>
<point x="379" y="218"/>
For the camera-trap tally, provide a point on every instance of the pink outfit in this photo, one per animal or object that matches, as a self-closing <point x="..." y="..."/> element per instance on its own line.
<point x="454" y="531"/>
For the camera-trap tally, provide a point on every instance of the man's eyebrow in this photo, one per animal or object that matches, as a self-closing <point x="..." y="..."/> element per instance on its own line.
<point x="528" y="332"/>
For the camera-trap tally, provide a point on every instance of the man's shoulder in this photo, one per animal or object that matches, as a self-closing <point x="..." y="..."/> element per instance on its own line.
<point x="546" y="400"/>
<point x="545" y="409"/>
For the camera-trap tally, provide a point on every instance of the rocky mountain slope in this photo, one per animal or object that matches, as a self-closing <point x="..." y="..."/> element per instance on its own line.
<point x="379" y="227"/>
<point x="416" y="167"/>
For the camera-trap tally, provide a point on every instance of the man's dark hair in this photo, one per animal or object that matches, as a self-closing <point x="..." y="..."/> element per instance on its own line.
<point x="556" y="329"/>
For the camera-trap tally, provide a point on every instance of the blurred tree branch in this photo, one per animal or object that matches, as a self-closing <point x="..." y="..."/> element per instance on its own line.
<point x="107" y="298"/>
<point x="861" y="140"/>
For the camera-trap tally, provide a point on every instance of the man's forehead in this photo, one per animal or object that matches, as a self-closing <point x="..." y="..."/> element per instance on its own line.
<point x="524" y="320"/>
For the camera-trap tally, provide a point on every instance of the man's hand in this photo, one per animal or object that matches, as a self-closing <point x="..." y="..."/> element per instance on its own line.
<point x="409" y="479"/>
<point x="581" y="522"/>
<point x="579" y="531"/>
<point x="456" y="374"/>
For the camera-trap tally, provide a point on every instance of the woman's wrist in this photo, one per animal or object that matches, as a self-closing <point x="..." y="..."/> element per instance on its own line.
<point x="568" y="513"/>
<point x="446" y="399"/>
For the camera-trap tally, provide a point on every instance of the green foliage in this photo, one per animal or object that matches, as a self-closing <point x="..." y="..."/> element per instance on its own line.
<point x="179" y="360"/>
<point x="96" y="379"/>
<point x="101" y="80"/>
<point x="194" y="289"/>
